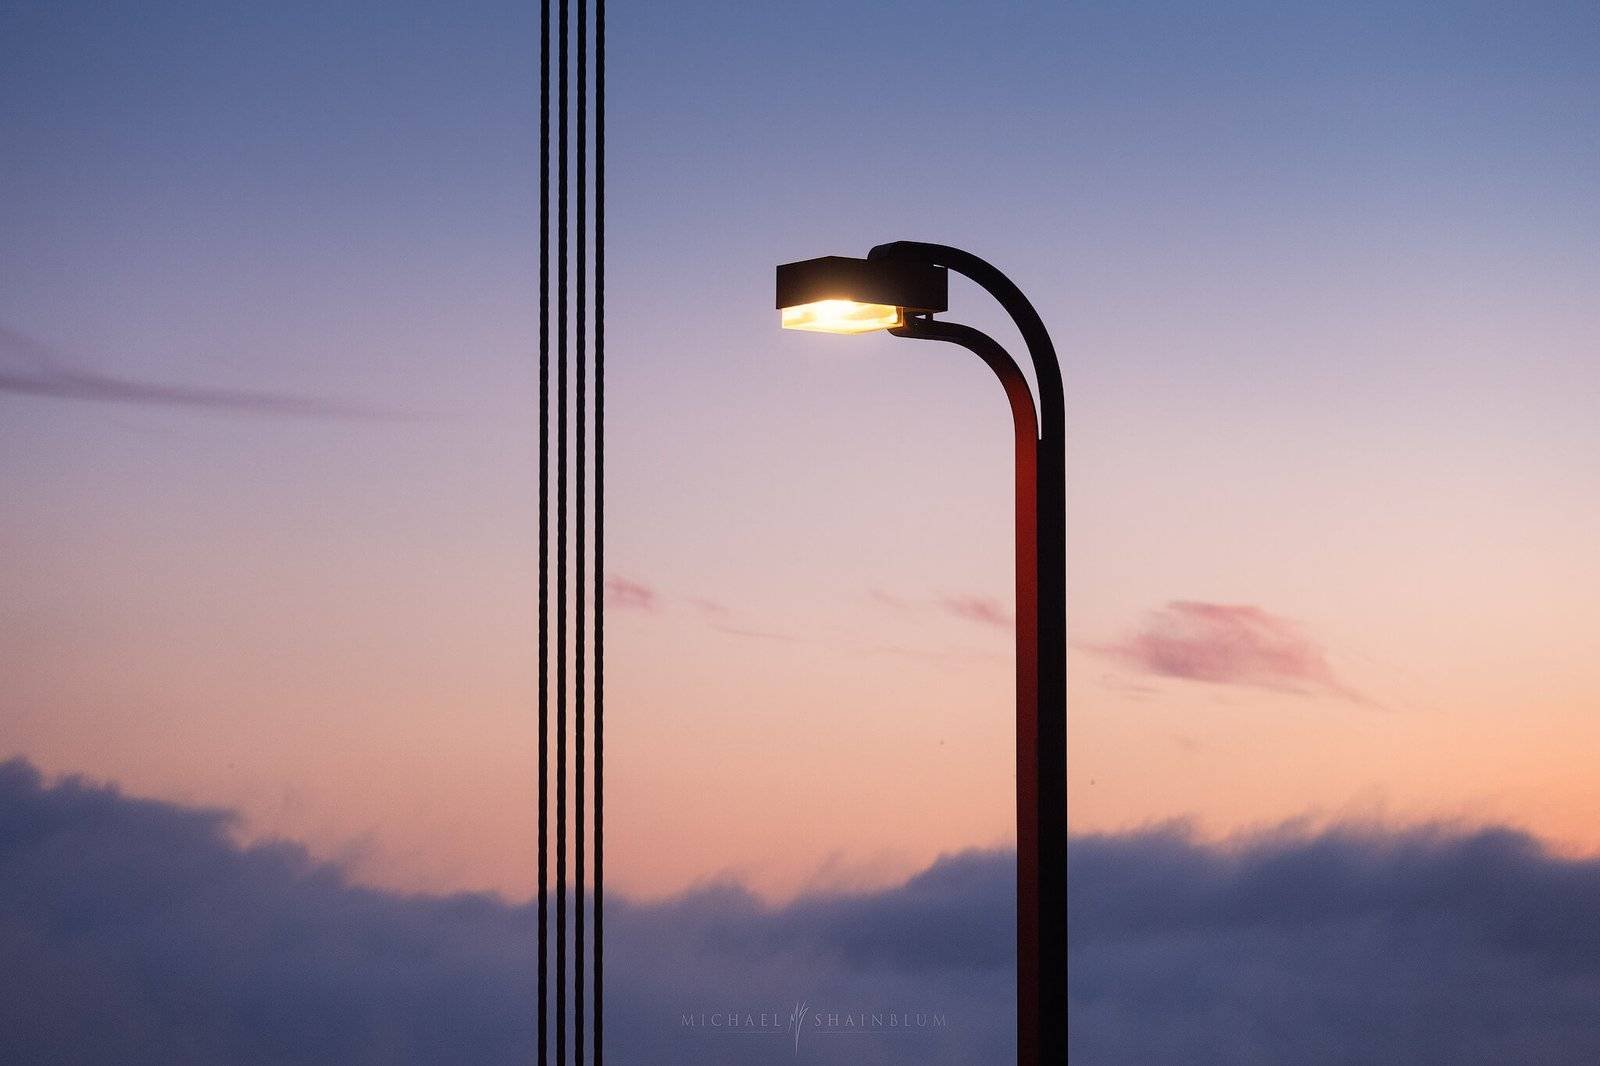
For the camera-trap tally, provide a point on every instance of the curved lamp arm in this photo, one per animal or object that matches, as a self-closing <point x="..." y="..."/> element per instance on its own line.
<point x="1041" y="351"/>
<point x="985" y="347"/>
<point x="1041" y="640"/>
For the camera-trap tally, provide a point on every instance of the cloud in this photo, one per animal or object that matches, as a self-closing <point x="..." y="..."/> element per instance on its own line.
<point x="754" y="633"/>
<point x="1229" y="644"/>
<point x="980" y="609"/>
<point x="1354" y="945"/>
<point x="710" y="608"/>
<point x="967" y="606"/>
<point x="885" y="598"/>
<point x="629" y="595"/>
<point x="137" y="932"/>
<point x="34" y="369"/>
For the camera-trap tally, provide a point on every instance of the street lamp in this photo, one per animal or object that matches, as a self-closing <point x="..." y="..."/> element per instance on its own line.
<point x="899" y="287"/>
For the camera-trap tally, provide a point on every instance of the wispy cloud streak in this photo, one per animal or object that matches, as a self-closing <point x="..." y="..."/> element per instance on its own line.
<point x="980" y="609"/>
<point x="629" y="595"/>
<point x="29" y="368"/>
<point x="967" y="606"/>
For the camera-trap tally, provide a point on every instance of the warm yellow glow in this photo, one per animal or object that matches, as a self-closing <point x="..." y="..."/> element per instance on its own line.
<point x="842" y="316"/>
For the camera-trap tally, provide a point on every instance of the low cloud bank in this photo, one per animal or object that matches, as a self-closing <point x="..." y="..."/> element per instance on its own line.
<point x="135" y="932"/>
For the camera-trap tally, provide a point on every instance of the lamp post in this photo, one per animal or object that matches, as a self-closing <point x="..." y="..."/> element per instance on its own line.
<point x="899" y="287"/>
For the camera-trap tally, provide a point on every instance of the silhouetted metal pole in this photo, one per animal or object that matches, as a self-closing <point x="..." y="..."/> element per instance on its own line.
<point x="1041" y="633"/>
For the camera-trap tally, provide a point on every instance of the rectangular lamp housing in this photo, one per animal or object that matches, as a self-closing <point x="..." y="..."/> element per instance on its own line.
<point x="838" y="294"/>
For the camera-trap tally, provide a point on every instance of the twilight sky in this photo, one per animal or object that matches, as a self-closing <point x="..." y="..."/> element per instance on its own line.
<point x="1322" y="277"/>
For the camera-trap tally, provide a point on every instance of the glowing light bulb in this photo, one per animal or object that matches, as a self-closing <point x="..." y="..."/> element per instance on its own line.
<point x="842" y="316"/>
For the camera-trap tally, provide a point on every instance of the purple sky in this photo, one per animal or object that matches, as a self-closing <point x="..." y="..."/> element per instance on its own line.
<point x="1323" y="280"/>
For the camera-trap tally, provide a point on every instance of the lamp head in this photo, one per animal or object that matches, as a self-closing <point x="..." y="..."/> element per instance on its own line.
<point x="837" y="294"/>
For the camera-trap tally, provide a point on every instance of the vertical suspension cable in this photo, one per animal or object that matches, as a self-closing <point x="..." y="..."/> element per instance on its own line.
<point x="580" y="584"/>
<point x="561" y="558"/>
<point x="573" y="553"/>
<point x="599" y="518"/>
<point x="544" y="530"/>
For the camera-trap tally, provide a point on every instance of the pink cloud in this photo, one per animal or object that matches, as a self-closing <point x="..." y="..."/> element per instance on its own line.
<point x="888" y="599"/>
<point x="758" y="634"/>
<point x="710" y="608"/>
<point x="978" y="609"/>
<point x="629" y="595"/>
<point x="1229" y="644"/>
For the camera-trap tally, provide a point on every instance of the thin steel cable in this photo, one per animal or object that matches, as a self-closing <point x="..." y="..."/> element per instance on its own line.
<point x="561" y="558"/>
<point x="599" y="518"/>
<point x="544" y="530"/>
<point x="580" y="582"/>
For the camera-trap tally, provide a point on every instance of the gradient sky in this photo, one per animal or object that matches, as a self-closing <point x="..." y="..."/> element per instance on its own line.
<point x="1322" y="277"/>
